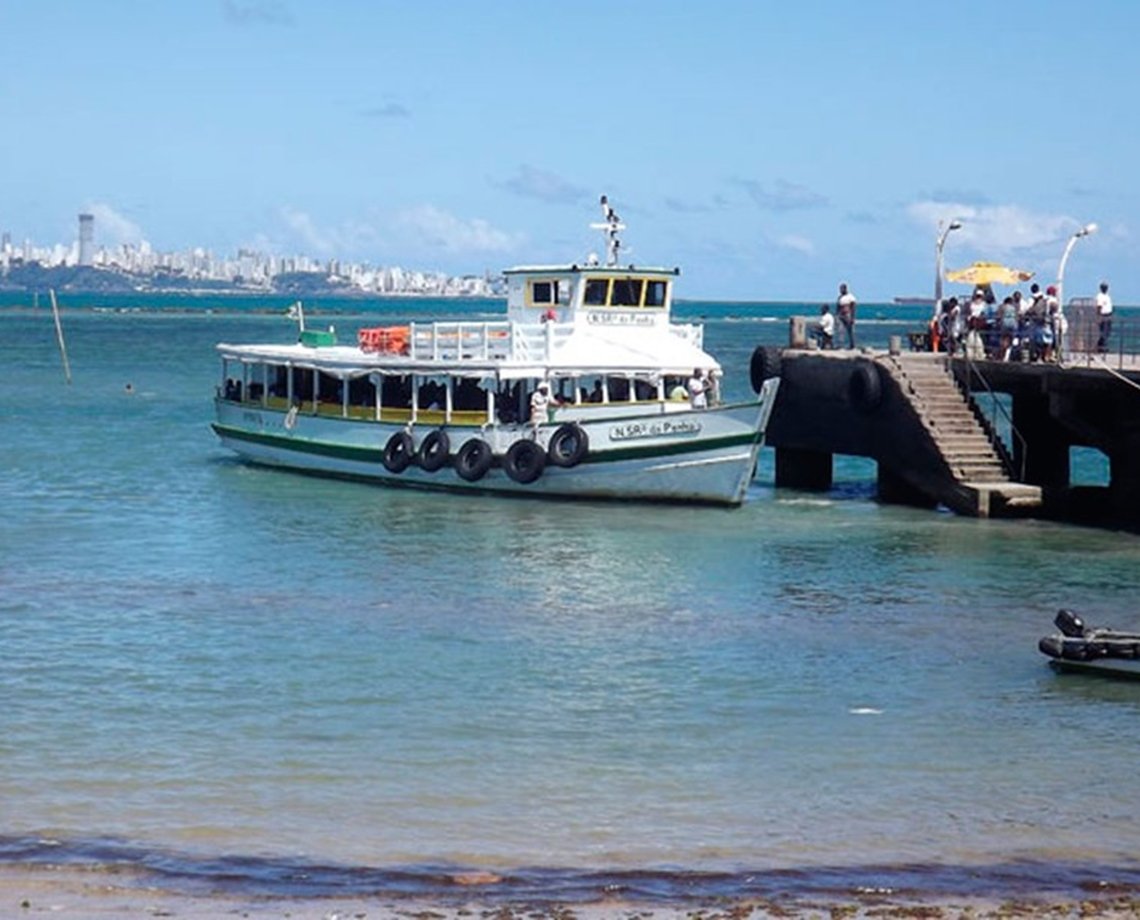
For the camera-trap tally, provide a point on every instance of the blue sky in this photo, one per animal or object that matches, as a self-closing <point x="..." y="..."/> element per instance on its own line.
<point x="769" y="149"/>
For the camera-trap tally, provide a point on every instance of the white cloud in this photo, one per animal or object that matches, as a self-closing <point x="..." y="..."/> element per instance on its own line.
<point x="388" y="110"/>
<point x="112" y="228"/>
<point x="530" y="182"/>
<point x="350" y="239"/>
<point x="995" y="230"/>
<point x="796" y="243"/>
<point x="782" y="195"/>
<point x="439" y="229"/>
<point x="425" y="227"/>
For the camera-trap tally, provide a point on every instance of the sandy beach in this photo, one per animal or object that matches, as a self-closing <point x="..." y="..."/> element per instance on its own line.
<point x="69" y="892"/>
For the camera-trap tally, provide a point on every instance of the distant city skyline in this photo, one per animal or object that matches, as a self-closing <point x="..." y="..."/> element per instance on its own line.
<point x="248" y="269"/>
<point x="769" y="150"/>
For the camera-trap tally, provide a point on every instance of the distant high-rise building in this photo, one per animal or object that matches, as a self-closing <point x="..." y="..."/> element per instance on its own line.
<point x="86" y="239"/>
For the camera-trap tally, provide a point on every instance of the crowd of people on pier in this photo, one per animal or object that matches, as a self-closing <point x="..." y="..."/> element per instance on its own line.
<point x="1021" y="327"/>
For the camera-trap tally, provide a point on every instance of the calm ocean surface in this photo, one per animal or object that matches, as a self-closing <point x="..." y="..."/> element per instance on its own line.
<point x="231" y="677"/>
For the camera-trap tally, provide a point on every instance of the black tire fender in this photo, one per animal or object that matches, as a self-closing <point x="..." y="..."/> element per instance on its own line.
<point x="433" y="452"/>
<point x="398" y="452"/>
<point x="568" y="445"/>
<point x="865" y="386"/>
<point x="764" y="366"/>
<point x="524" y="461"/>
<point x="473" y="459"/>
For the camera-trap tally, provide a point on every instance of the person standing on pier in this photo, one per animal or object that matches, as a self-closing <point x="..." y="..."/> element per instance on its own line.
<point x="1104" y="317"/>
<point x="824" y="328"/>
<point x="845" y="310"/>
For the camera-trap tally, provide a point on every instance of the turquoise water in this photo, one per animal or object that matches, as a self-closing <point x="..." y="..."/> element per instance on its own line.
<point x="224" y="673"/>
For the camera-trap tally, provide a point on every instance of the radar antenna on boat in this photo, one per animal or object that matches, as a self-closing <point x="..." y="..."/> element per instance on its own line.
<point x="610" y="228"/>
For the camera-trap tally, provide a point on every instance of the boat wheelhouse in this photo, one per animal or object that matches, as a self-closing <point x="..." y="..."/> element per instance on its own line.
<point x="586" y="388"/>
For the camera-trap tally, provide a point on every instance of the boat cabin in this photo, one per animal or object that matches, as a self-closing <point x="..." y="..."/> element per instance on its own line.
<point x="590" y="295"/>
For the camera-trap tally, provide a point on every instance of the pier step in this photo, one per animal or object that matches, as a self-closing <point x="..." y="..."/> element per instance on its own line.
<point x="978" y="481"/>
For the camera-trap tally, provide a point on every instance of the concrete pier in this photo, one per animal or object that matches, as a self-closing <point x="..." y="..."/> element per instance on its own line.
<point x="918" y="416"/>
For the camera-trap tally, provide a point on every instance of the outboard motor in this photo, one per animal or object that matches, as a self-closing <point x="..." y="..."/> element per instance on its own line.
<point x="1069" y="623"/>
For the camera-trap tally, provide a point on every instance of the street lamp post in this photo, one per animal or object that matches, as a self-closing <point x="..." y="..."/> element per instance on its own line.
<point x="1084" y="231"/>
<point x="942" y="234"/>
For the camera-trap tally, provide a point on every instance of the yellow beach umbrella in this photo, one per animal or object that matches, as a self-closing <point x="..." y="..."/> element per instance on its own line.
<point x="983" y="273"/>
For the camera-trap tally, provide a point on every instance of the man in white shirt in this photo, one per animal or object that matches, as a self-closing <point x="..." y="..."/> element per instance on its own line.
<point x="824" y="328"/>
<point x="1104" y="317"/>
<point x="540" y="402"/>
<point x="697" y="390"/>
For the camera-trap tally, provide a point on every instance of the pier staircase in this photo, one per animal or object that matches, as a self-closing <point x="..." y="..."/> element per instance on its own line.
<point x="978" y="473"/>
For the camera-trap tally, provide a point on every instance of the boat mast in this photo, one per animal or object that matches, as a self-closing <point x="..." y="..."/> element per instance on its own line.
<point x="610" y="228"/>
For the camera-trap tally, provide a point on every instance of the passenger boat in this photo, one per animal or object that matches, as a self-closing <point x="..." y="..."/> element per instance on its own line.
<point x="1091" y="650"/>
<point x="581" y="391"/>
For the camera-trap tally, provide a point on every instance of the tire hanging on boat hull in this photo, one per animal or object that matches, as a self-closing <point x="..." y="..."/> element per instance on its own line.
<point x="398" y="452"/>
<point x="473" y="460"/>
<point x="433" y="452"/>
<point x="568" y="445"/>
<point x="524" y="461"/>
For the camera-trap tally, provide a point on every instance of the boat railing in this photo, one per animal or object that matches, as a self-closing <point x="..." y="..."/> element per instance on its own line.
<point x="537" y="341"/>
<point x="483" y="341"/>
<point x="457" y="341"/>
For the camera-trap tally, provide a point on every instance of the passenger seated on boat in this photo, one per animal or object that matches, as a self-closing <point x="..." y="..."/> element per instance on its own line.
<point x="505" y="409"/>
<point x="644" y="391"/>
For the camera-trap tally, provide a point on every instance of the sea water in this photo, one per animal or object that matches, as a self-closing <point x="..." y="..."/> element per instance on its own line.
<point x="230" y="676"/>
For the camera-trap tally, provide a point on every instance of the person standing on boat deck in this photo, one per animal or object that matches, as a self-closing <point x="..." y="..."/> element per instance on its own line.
<point x="698" y="390"/>
<point x="712" y="388"/>
<point x="845" y="310"/>
<point x="1104" y="317"/>
<point x="698" y="398"/>
<point x="540" y="403"/>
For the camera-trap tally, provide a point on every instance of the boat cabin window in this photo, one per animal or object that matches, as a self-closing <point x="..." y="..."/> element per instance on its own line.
<point x="548" y="292"/>
<point x="596" y="291"/>
<point x="625" y="292"/>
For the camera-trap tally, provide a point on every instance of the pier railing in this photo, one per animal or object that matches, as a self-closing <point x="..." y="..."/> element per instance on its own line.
<point x="1085" y="343"/>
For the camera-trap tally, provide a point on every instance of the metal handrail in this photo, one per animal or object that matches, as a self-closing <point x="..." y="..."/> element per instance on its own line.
<point x="972" y="369"/>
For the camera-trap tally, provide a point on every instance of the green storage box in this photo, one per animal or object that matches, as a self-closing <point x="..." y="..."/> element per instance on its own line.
<point x="315" y="338"/>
